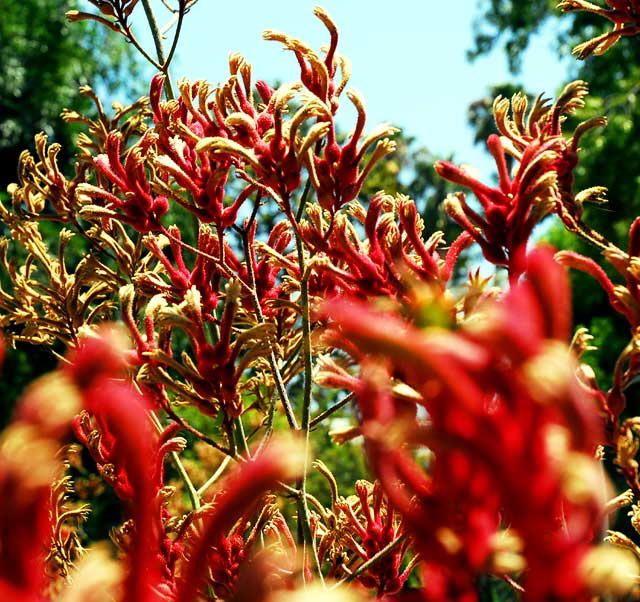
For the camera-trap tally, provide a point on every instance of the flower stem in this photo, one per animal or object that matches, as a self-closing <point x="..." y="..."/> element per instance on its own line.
<point x="215" y="476"/>
<point x="335" y="407"/>
<point x="365" y="566"/>
<point x="157" y="40"/>
<point x="194" y="497"/>
<point x="305" y="418"/>
<point x="240" y="435"/>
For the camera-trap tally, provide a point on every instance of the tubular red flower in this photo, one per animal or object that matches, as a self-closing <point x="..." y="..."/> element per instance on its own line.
<point x="124" y="419"/>
<point x="586" y="264"/>
<point x="141" y="209"/>
<point x="503" y="438"/>
<point x="126" y="416"/>
<point x="542" y="183"/>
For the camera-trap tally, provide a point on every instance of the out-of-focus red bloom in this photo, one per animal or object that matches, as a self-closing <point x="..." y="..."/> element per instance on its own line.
<point x="240" y="494"/>
<point x="125" y="416"/>
<point x="128" y="443"/>
<point x="27" y="468"/>
<point x="135" y="454"/>
<point x="29" y="464"/>
<point x="511" y="429"/>
<point x="238" y="551"/>
<point x="99" y="356"/>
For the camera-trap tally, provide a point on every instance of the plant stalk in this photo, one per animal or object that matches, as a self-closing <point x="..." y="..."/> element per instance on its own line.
<point x="157" y="40"/>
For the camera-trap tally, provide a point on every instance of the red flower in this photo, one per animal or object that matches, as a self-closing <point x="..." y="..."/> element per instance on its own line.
<point x="542" y="183"/>
<point x="129" y="455"/>
<point x="240" y="494"/>
<point x="512" y="432"/>
<point x="625" y="299"/>
<point x="141" y="208"/>
<point x="29" y="464"/>
<point x="387" y="262"/>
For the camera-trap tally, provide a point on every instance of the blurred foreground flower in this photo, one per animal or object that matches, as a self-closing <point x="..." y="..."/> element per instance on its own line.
<point x="514" y="488"/>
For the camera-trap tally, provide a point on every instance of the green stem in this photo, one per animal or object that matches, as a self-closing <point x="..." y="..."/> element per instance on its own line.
<point x="228" y="427"/>
<point x="240" y="435"/>
<point x="176" y="37"/>
<point x="194" y="431"/>
<point x="157" y="40"/>
<point x="320" y="417"/>
<point x="365" y="566"/>
<point x="191" y="490"/>
<point x="129" y="35"/>
<point x="305" y="417"/>
<point x="215" y="476"/>
<point x="306" y="340"/>
<point x="303" y="200"/>
<point x="194" y="497"/>
<point x="269" y="425"/>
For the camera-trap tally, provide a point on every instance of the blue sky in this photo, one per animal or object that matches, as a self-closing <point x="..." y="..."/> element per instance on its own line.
<point x="408" y="59"/>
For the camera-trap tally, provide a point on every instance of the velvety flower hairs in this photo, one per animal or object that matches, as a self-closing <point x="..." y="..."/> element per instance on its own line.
<point x="219" y="286"/>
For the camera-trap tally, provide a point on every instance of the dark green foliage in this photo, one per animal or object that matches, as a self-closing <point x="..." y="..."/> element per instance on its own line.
<point x="494" y="589"/>
<point x="20" y="367"/>
<point x="346" y="462"/>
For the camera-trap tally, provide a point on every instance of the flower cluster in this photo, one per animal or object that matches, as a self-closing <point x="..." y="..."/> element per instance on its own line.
<point x="231" y="231"/>
<point x="542" y="183"/>
<point x="493" y="499"/>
